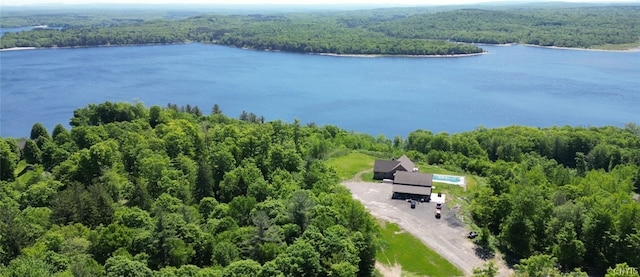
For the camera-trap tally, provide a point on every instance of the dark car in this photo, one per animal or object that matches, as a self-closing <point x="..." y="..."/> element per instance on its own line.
<point x="439" y="206"/>
<point x="437" y="213"/>
<point x="413" y="204"/>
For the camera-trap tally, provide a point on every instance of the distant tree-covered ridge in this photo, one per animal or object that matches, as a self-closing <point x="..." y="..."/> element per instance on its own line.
<point x="306" y="33"/>
<point x="587" y="27"/>
<point x="380" y="32"/>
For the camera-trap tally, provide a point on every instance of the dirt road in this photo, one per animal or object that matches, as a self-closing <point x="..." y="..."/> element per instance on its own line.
<point x="447" y="235"/>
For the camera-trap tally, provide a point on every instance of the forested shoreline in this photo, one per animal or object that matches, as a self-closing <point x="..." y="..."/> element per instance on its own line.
<point x="366" y="32"/>
<point x="131" y="190"/>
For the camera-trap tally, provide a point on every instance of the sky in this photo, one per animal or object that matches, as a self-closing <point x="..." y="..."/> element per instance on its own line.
<point x="280" y="2"/>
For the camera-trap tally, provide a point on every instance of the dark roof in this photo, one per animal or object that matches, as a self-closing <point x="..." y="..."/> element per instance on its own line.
<point x="385" y="166"/>
<point x="21" y="143"/>
<point x="413" y="179"/>
<point x="406" y="163"/>
<point x="412" y="189"/>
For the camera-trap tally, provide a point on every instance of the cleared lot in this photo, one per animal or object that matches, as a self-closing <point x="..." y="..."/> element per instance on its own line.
<point x="447" y="235"/>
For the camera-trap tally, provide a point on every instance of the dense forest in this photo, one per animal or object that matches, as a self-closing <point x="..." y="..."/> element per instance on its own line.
<point x="561" y="198"/>
<point x="586" y="27"/>
<point x="171" y="191"/>
<point x="417" y="31"/>
<point x="131" y="191"/>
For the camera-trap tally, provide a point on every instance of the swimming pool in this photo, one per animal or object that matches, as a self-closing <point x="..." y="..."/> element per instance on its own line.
<point x="448" y="179"/>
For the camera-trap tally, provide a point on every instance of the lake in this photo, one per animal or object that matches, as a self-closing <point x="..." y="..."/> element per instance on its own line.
<point x="511" y="85"/>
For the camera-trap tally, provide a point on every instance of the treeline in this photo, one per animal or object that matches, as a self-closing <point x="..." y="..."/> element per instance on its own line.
<point x="560" y="196"/>
<point x="312" y="33"/>
<point x="136" y="191"/>
<point x="156" y="32"/>
<point x="588" y="27"/>
<point x="389" y="32"/>
<point x="86" y="18"/>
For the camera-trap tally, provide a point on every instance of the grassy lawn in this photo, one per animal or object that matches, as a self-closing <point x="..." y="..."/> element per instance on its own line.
<point x="368" y="176"/>
<point x="348" y="166"/>
<point x="413" y="256"/>
<point x="455" y="195"/>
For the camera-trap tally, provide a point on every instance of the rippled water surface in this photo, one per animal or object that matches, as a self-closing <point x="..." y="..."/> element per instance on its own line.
<point x="384" y="95"/>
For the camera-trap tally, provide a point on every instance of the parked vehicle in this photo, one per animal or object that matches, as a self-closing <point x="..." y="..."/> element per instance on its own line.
<point x="413" y="204"/>
<point x="438" y="213"/>
<point x="439" y="206"/>
<point x="472" y="235"/>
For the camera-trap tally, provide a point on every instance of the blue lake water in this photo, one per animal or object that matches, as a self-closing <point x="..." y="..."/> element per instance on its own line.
<point x="385" y="95"/>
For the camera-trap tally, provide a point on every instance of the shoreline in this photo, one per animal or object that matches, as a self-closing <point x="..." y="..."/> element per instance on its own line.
<point x="265" y="50"/>
<point x="90" y="46"/>
<point x="399" y="56"/>
<point x="630" y="50"/>
<point x="19" y="49"/>
<point x="634" y="49"/>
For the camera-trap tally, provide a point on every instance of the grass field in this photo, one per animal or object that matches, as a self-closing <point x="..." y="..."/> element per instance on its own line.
<point x="414" y="257"/>
<point x="349" y="165"/>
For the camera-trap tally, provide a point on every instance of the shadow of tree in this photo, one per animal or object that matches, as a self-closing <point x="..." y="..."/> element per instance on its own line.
<point x="509" y="257"/>
<point x="484" y="253"/>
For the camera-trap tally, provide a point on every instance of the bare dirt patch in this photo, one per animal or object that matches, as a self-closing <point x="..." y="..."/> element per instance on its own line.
<point x="389" y="271"/>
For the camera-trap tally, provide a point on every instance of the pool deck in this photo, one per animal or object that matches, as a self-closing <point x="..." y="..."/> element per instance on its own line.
<point x="436" y="199"/>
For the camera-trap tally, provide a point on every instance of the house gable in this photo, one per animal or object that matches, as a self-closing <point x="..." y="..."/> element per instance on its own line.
<point x="386" y="169"/>
<point x="406" y="163"/>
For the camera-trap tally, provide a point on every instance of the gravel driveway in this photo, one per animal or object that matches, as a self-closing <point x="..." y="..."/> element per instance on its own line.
<point x="447" y="235"/>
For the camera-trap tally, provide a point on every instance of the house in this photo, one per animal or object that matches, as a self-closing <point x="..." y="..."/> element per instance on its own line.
<point x="21" y="143"/>
<point x="412" y="185"/>
<point x="407" y="163"/>
<point x="385" y="169"/>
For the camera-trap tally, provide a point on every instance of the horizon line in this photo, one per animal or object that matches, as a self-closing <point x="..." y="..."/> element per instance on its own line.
<point x="323" y="4"/>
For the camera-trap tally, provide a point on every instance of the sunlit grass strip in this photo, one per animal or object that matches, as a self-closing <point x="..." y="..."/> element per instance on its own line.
<point x="413" y="256"/>
<point x="20" y="167"/>
<point x="349" y="165"/>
